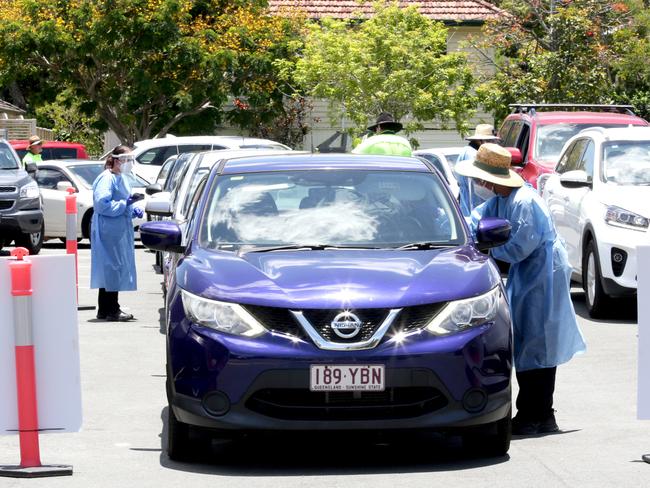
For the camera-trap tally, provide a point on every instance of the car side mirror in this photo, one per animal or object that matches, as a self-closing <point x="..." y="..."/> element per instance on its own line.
<point x="516" y="159"/>
<point x="159" y="204"/>
<point x="575" y="179"/>
<point x="153" y="188"/>
<point x="31" y="168"/>
<point x="162" y="235"/>
<point x="63" y="185"/>
<point x="492" y="232"/>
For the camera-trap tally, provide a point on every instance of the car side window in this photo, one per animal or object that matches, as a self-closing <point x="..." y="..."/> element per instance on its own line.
<point x="522" y="142"/>
<point x="587" y="161"/>
<point x="47" y="178"/>
<point x="572" y="157"/>
<point x="188" y="148"/>
<point x="193" y="206"/>
<point x="157" y="155"/>
<point x="504" y="130"/>
<point x="513" y="135"/>
<point x="162" y="174"/>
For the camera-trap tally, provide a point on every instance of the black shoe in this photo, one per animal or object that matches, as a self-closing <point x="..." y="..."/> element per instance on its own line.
<point x="101" y="316"/>
<point x="548" y="425"/>
<point x="119" y="317"/>
<point x="524" y="427"/>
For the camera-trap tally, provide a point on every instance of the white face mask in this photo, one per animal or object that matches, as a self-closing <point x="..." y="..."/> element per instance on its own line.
<point x="482" y="192"/>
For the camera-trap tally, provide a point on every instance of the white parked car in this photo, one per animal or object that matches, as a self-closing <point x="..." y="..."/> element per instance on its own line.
<point x="56" y="176"/>
<point x="599" y="198"/>
<point x="444" y="159"/>
<point x="150" y="154"/>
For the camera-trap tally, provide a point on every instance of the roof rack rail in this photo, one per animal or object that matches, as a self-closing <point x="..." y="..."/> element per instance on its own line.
<point x="534" y="107"/>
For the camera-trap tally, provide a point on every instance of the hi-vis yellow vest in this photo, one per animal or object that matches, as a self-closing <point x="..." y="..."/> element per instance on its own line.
<point x="389" y="144"/>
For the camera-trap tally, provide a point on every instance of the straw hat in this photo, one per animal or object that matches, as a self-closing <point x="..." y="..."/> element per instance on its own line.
<point x="492" y="163"/>
<point x="483" y="132"/>
<point x="34" y="141"/>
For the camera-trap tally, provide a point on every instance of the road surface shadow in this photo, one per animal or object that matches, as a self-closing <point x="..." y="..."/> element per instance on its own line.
<point x="332" y="453"/>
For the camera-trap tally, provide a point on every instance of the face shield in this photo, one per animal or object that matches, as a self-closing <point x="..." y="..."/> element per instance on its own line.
<point x="126" y="162"/>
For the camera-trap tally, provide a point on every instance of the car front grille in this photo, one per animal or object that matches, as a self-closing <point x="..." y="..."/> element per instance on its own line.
<point x="8" y="189"/>
<point x="281" y="320"/>
<point x="302" y="404"/>
<point x="321" y="321"/>
<point x="6" y="204"/>
<point x="276" y="319"/>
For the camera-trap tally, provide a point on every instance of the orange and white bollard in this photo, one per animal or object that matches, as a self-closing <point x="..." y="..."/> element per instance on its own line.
<point x="30" y="459"/>
<point x="71" y="231"/>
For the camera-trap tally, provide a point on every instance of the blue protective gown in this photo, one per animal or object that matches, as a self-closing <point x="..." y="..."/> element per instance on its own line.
<point x="468" y="199"/>
<point x="546" y="332"/>
<point x="112" y="247"/>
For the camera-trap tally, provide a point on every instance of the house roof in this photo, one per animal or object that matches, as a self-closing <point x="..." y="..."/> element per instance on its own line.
<point x="467" y="11"/>
<point x="7" y="107"/>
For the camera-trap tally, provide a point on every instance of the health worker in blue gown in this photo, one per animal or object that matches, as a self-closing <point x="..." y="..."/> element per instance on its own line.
<point x="112" y="245"/>
<point x="545" y="329"/>
<point x="472" y="195"/>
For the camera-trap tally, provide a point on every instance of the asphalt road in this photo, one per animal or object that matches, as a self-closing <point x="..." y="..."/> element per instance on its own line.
<point x="122" y="367"/>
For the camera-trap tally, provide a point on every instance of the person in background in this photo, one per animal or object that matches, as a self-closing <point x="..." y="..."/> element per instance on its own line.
<point x="383" y="138"/>
<point x="34" y="150"/>
<point x="545" y="329"/>
<point x="470" y="195"/>
<point x="112" y="251"/>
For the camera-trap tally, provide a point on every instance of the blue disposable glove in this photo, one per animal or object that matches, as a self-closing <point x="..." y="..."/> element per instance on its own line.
<point x="134" y="198"/>
<point x="138" y="212"/>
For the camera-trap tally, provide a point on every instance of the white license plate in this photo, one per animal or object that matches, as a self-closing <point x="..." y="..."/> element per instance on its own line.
<point x="347" y="377"/>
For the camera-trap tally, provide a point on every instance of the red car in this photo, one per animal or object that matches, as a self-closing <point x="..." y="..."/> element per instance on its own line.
<point x="53" y="149"/>
<point x="539" y="131"/>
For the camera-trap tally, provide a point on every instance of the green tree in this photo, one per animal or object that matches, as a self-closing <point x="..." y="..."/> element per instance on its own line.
<point x="555" y="51"/>
<point x="630" y="67"/>
<point x="396" y="61"/>
<point x="147" y="66"/>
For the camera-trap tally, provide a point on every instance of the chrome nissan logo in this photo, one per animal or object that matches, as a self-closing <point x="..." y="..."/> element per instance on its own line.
<point x="346" y="325"/>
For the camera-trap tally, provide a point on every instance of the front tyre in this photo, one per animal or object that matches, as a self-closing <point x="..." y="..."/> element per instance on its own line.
<point x="596" y="299"/>
<point x="492" y="440"/>
<point x="33" y="242"/>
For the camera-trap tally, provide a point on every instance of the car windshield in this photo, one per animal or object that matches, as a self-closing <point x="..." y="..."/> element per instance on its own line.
<point x="88" y="173"/>
<point x="7" y="158"/>
<point x="346" y="208"/>
<point x="627" y="163"/>
<point x="551" y="138"/>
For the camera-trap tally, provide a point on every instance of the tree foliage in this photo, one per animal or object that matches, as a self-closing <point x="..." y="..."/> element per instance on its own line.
<point x="146" y="66"/>
<point x="557" y="51"/>
<point x="396" y="61"/>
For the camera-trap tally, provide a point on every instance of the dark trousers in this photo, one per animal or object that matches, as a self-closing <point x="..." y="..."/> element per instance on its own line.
<point x="535" y="398"/>
<point x="107" y="302"/>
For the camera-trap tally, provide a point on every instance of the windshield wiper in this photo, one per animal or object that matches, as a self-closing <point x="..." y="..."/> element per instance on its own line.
<point x="424" y="245"/>
<point x="304" y="247"/>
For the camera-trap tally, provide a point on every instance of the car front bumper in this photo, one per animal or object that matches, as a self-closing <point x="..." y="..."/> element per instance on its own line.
<point x="617" y="256"/>
<point x="432" y="382"/>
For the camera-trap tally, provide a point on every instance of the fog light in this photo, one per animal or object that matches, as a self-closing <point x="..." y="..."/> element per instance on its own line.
<point x="216" y="403"/>
<point x="619" y="258"/>
<point x="475" y="400"/>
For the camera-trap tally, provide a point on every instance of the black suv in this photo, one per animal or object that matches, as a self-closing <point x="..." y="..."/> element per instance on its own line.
<point x="21" y="215"/>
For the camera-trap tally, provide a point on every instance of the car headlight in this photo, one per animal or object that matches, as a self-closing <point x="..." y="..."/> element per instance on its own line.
<point x="461" y="315"/>
<point x="30" y="190"/>
<point x="222" y="316"/>
<point x="620" y="217"/>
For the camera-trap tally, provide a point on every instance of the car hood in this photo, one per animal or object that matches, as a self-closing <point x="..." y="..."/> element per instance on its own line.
<point x="13" y="177"/>
<point x="338" y="278"/>
<point x="634" y="198"/>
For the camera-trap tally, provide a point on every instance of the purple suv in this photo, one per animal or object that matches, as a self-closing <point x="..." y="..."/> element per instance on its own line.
<point x="333" y="292"/>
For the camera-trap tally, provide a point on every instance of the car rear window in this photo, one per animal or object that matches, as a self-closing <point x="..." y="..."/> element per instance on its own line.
<point x="382" y="209"/>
